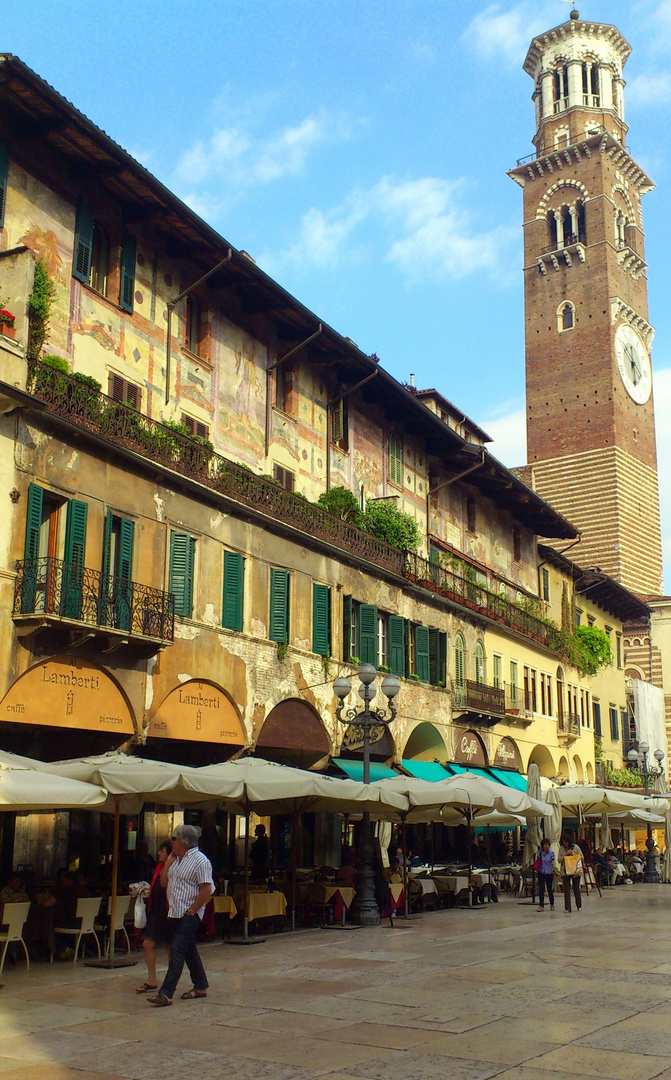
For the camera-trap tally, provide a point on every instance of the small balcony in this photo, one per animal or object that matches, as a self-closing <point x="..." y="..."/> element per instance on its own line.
<point x="517" y="708"/>
<point x="568" y="727"/>
<point x="481" y="703"/>
<point x="76" y="604"/>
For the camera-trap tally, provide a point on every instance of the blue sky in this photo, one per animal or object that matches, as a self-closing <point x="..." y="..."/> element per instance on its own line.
<point x="358" y="151"/>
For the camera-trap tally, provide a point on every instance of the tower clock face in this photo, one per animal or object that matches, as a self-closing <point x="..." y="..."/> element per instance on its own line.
<point x="633" y="364"/>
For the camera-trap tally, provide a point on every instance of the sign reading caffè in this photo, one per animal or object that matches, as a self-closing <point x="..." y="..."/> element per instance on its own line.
<point x="197" y="711"/>
<point x="470" y="749"/>
<point x="68" y="692"/>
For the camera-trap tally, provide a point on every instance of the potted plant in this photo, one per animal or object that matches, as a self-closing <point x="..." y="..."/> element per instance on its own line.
<point x="7" y="328"/>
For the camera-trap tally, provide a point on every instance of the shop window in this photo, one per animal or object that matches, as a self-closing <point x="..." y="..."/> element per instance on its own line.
<point x="395" y="459"/>
<point x="340" y="424"/>
<point x="232" y="606"/>
<point x="181" y="572"/>
<point x="195" y="427"/>
<point x="121" y="390"/>
<point x="4" y="174"/>
<point x="321" y="619"/>
<point x="284" y="477"/>
<point x="278" y="628"/>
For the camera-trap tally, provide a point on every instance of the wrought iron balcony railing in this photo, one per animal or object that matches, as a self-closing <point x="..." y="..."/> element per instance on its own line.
<point x="480" y="698"/>
<point x="477" y="598"/>
<point x="569" y="724"/>
<point x="516" y="701"/>
<point x="53" y="588"/>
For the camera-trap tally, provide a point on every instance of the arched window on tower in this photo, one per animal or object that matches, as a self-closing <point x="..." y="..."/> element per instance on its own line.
<point x="565" y="316"/>
<point x="561" y="88"/>
<point x="591" y="90"/>
<point x="582" y="229"/>
<point x="567" y="226"/>
<point x="552" y="230"/>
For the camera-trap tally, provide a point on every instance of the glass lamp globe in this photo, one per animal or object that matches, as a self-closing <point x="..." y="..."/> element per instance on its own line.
<point x="367" y="674"/>
<point x="390" y="686"/>
<point x="342" y="687"/>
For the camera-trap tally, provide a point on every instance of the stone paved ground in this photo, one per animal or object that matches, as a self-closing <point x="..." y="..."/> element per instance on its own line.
<point x="500" y="992"/>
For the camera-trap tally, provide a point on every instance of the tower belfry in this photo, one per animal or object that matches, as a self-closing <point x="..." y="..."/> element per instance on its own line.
<point x="590" y="418"/>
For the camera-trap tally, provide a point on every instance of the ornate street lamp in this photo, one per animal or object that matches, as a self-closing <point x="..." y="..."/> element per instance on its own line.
<point x="640" y="759"/>
<point x="364" y="723"/>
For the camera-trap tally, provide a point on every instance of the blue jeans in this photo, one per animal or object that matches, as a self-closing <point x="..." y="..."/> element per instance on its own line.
<point x="183" y="933"/>
<point x="545" y="882"/>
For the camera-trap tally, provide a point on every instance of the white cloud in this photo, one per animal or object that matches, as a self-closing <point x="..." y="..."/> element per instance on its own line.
<point x="495" y="34"/>
<point x="418" y="225"/>
<point x="238" y="158"/>
<point x="509" y="434"/>
<point x="648" y="91"/>
<point x="661" y="27"/>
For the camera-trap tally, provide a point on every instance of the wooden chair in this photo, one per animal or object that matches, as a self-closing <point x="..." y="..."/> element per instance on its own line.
<point x="87" y="912"/>
<point x="13" y="919"/>
<point x="120" y="915"/>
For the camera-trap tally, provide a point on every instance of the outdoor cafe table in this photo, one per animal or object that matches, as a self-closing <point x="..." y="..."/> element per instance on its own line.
<point x="342" y="895"/>
<point x="263" y="905"/>
<point x="426" y="884"/>
<point x="455" y="883"/>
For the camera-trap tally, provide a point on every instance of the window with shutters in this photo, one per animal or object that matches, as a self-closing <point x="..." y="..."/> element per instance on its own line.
<point x="497" y="662"/>
<point x="382" y="639"/>
<point x="74" y="555"/>
<point x="181" y="572"/>
<point x="459" y="661"/>
<point x="350" y="628"/>
<point x="286" y="395"/>
<point x="368" y="634"/>
<point x="40" y="549"/>
<point x="618" y="648"/>
<point x="614" y="724"/>
<point x="285" y="477"/>
<point x="4" y="174"/>
<point x="437" y="657"/>
<point x="395" y="459"/>
<point x="479" y="663"/>
<point x="127" y="277"/>
<point x="321" y="619"/>
<point x="422" y="657"/>
<point x="340" y="424"/>
<point x="397" y="631"/>
<point x="234" y="581"/>
<point x="121" y="390"/>
<point x="195" y="427"/>
<point x="545" y="583"/>
<point x="192" y="325"/>
<point x="513" y="678"/>
<point x="278" y="626"/>
<point x="100" y="259"/>
<point x="596" y="714"/>
<point x="116" y="589"/>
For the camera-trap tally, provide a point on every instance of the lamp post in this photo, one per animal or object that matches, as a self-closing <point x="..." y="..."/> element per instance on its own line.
<point x="365" y="911"/>
<point x="640" y="757"/>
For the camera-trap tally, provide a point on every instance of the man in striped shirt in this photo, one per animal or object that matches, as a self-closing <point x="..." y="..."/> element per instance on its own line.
<point x="187" y="876"/>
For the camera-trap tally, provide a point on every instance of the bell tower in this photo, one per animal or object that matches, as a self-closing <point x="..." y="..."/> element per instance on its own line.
<point x="590" y="418"/>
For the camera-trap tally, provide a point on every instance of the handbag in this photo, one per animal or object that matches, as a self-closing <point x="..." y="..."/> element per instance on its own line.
<point x="537" y="864"/>
<point x="140" y="913"/>
<point x="572" y="864"/>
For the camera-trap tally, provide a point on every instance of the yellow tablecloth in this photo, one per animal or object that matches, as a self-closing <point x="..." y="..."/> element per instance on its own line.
<point x="225" y="905"/>
<point x="266" y="905"/>
<point x="320" y="893"/>
<point x="396" y="891"/>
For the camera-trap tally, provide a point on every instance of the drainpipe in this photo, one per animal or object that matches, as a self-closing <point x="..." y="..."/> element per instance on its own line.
<point x="172" y="304"/>
<point x="272" y="368"/>
<point x="329" y="404"/>
<point x="452" y="480"/>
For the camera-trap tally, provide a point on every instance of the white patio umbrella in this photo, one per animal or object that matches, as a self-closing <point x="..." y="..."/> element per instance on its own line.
<point x="532" y="840"/>
<point x="553" y="819"/>
<point x="27" y="789"/>
<point x="581" y="800"/>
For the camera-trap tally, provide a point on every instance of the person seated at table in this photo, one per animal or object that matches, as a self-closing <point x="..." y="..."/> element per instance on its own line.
<point x="347" y="872"/>
<point x="615" y="868"/>
<point x="393" y="873"/>
<point x="14" y="891"/>
<point x="64" y="902"/>
<point x="401" y="857"/>
<point x="636" y="865"/>
<point x="258" y="854"/>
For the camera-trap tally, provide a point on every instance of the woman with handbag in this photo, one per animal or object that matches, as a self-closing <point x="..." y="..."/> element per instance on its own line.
<point x="570" y="861"/>
<point x="156" y="929"/>
<point x="544" y="867"/>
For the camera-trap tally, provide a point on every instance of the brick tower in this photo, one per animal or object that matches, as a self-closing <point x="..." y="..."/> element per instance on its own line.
<point x="590" y="417"/>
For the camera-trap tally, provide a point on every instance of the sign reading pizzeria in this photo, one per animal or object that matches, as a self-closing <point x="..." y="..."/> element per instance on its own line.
<point x="198" y="711"/>
<point x="68" y="692"/>
<point x="470" y="749"/>
<point x="507" y="755"/>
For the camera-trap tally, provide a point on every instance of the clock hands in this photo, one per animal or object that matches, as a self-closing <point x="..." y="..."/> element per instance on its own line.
<point x="636" y="373"/>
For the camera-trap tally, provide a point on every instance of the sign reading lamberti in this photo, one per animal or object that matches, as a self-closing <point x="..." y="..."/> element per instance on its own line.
<point x="507" y="755"/>
<point x="197" y="711"/>
<point x="69" y="692"/>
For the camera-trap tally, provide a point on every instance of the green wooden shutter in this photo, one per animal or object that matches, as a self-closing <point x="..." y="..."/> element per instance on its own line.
<point x="180" y="572"/>
<point x="408" y="635"/>
<point x="72" y="589"/>
<point x="4" y="173"/>
<point x="434" y="657"/>
<point x="32" y="548"/>
<point x="422" y="668"/>
<point x="105" y="589"/>
<point x="279" y="606"/>
<point x="232" y="604"/>
<point x="459" y="660"/>
<point x="321" y="620"/>
<point x="83" y="247"/>
<point x="368" y="634"/>
<point x="124" y="585"/>
<point x="397" y="645"/>
<point x="346" y="627"/>
<point x="127" y="285"/>
<point x="442" y="658"/>
<point x="337" y="418"/>
<point x="395" y="459"/>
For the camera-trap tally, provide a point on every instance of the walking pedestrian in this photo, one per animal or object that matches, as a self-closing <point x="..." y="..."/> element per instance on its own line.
<point x="545" y="860"/>
<point x="156" y="931"/>
<point x="570" y="861"/>
<point x="187" y="875"/>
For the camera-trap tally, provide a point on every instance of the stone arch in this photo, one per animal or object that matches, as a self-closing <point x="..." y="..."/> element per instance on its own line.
<point x="618" y="189"/>
<point x="425" y="743"/>
<point x="589" y="773"/>
<point x="293" y="733"/>
<point x="541" y="756"/>
<point x="563" y="771"/>
<point x="579" y="771"/>
<point x="559" y="186"/>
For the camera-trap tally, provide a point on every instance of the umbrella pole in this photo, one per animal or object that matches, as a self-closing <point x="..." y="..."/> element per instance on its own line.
<point x="469" y="835"/>
<point x="110" y="962"/>
<point x="294" y="830"/>
<point x="405" y="869"/>
<point x="489" y="865"/>
<point x="245" y="931"/>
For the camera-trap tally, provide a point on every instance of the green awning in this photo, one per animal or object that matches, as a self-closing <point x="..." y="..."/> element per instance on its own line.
<point x="510" y="778"/>
<point x="426" y="770"/>
<point x="354" y="769"/>
<point x="476" y="770"/>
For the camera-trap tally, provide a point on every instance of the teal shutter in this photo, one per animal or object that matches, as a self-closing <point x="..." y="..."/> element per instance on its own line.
<point x="124" y="584"/>
<point x="422" y="653"/>
<point x="32" y="548"/>
<point x="346" y="627"/>
<point x="408" y="643"/>
<point x="434" y="662"/>
<point x="180" y="572"/>
<point x="72" y="589"/>
<point x="279" y="606"/>
<point x="397" y="645"/>
<point x="442" y="658"/>
<point x="83" y="247"/>
<point x="127" y="284"/>
<point x="232" y="603"/>
<point x="105" y="586"/>
<point x="368" y="634"/>
<point x="4" y="173"/>
<point x="321" y="620"/>
<point x="395" y="455"/>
